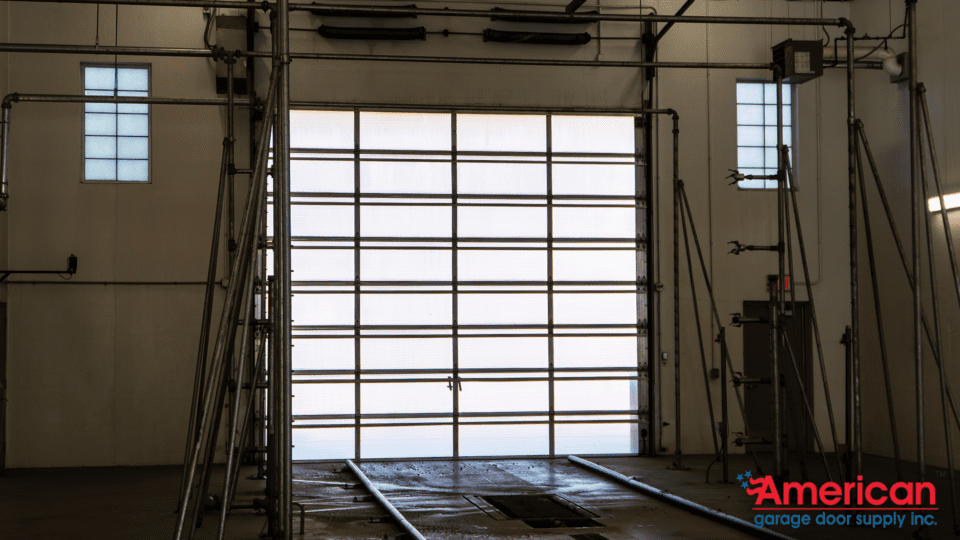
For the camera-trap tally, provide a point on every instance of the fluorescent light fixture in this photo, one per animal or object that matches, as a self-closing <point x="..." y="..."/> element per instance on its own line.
<point x="951" y="197"/>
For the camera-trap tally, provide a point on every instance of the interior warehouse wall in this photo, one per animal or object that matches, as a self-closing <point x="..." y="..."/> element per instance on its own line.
<point x="102" y="375"/>
<point x="884" y="108"/>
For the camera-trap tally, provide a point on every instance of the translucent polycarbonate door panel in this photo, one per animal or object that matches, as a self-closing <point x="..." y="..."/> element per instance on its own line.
<point x="322" y="129"/>
<point x="572" y="352"/>
<point x="494" y="265"/>
<point x="326" y="353"/>
<point x="504" y="352"/>
<point x="322" y="309"/>
<point x="406" y="309"/>
<point x="405" y="221"/>
<point x="596" y="439"/>
<point x="503" y="309"/>
<point x="322" y="264"/>
<point x="326" y="398"/>
<point x="502" y="222"/>
<point x="594" y="395"/>
<point x="406" y="353"/>
<point x="324" y="221"/>
<point x="405" y="131"/>
<point x="405" y="177"/>
<point x="483" y="397"/>
<point x="595" y="265"/>
<point x="320" y="176"/>
<point x="502" y="178"/>
<point x="406" y="442"/>
<point x="504" y="440"/>
<point x="323" y="443"/>
<point x="595" y="180"/>
<point x="592" y="308"/>
<point x="593" y="134"/>
<point x="501" y="133"/>
<point x="405" y="398"/>
<point x="405" y="265"/>
<point x="594" y="223"/>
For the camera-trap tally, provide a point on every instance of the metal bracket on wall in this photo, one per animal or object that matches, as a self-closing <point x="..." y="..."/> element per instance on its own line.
<point x="71" y="270"/>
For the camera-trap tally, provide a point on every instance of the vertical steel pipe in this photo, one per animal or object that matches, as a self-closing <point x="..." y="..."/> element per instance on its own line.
<point x="854" y="271"/>
<point x="231" y="243"/>
<point x="915" y="211"/>
<point x="653" y="295"/>
<point x="724" y="418"/>
<point x="4" y="154"/>
<point x="776" y="308"/>
<point x="282" y="262"/>
<point x="676" y="288"/>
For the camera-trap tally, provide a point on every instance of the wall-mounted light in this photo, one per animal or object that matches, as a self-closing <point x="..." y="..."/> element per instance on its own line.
<point x="951" y="197"/>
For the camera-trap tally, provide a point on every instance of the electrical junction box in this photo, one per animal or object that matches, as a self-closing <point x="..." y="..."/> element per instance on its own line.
<point x="800" y="61"/>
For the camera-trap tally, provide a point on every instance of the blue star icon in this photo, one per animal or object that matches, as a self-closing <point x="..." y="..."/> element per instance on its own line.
<point x="739" y="478"/>
<point x="748" y="474"/>
<point x="744" y="485"/>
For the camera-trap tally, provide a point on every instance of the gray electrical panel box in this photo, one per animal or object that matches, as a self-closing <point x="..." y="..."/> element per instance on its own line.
<point x="801" y="61"/>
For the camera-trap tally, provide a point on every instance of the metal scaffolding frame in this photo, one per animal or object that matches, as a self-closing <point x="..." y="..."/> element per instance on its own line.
<point x="257" y="313"/>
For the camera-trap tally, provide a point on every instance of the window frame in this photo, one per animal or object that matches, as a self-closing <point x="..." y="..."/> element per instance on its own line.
<point x="83" y="132"/>
<point x="793" y="143"/>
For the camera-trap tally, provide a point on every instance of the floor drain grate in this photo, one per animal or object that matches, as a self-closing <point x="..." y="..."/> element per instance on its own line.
<point x="542" y="511"/>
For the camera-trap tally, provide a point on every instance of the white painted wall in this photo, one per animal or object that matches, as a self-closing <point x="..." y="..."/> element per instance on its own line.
<point x="884" y="109"/>
<point x="101" y="375"/>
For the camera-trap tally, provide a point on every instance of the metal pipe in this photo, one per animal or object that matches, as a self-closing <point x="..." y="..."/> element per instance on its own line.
<point x="201" y="367"/>
<point x="932" y="268"/>
<point x="724" y="418"/>
<point x="915" y="211"/>
<point x="891" y="409"/>
<point x="226" y="326"/>
<point x="776" y="311"/>
<point x="397" y="516"/>
<point x="792" y="194"/>
<point x="676" y="288"/>
<point x="699" y="509"/>
<point x="229" y="61"/>
<point x="61" y="98"/>
<point x="944" y="215"/>
<point x="848" y="409"/>
<point x="806" y="402"/>
<point x="725" y="354"/>
<point x="854" y="272"/>
<point x="4" y="154"/>
<point x="903" y="256"/>
<point x="282" y="6"/>
<point x="696" y="318"/>
<point x="232" y="454"/>
<point x="283" y="266"/>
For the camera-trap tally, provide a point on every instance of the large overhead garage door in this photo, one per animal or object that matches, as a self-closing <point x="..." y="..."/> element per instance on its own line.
<point x="467" y="285"/>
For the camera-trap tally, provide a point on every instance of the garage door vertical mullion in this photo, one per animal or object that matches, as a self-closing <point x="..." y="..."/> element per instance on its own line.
<point x="454" y="383"/>
<point x="356" y="277"/>
<point x="641" y="214"/>
<point x="550" y="342"/>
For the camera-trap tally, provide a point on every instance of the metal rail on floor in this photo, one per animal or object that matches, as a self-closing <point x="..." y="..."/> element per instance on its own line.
<point x="715" y="515"/>
<point x="401" y="521"/>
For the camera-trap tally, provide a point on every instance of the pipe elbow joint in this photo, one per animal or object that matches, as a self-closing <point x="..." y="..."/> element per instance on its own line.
<point x="673" y="114"/>
<point x="849" y="28"/>
<point x="10" y="100"/>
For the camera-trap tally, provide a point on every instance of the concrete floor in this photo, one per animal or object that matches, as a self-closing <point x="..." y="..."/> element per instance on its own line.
<point x="138" y="502"/>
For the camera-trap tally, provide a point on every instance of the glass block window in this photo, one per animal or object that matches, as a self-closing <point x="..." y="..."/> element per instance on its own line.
<point x="116" y="137"/>
<point x="757" y="131"/>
